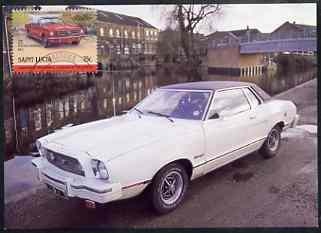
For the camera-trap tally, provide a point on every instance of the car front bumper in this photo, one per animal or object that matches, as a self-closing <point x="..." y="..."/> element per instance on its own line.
<point x="64" y="39"/>
<point x="71" y="185"/>
<point x="295" y="121"/>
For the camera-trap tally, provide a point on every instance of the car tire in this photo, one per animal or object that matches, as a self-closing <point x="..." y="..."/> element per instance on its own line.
<point x="272" y="143"/>
<point x="169" y="187"/>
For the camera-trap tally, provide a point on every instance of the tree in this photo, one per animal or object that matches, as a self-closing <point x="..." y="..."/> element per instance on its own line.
<point x="85" y="19"/>
<point x="188" y="18"/>
<point x="168" y="45"/>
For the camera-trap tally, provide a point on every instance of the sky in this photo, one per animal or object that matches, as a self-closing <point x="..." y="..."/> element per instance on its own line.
<point x="265" y="17"/>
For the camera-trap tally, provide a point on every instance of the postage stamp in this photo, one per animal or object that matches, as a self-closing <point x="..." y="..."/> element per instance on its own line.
<point x="53" y="41"/>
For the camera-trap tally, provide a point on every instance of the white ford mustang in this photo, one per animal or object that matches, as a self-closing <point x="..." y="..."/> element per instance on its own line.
<point x="176" y="134"/>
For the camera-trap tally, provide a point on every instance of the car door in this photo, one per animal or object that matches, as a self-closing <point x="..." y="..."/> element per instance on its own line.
<point x="259" y="115"/>
<point x="228" y="126"/>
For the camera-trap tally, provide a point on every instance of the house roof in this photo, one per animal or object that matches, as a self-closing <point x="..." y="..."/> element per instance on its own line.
<point x="116" y="18"/>
<point x="295" y="25"/>
<point x="242" y="32"/>
<point x="222" y="33"/>
<point x="236" y="33"/>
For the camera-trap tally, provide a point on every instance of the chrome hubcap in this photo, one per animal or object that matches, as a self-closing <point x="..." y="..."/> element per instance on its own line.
<point x="171" y="187"/>
<point x="273" y="140"/>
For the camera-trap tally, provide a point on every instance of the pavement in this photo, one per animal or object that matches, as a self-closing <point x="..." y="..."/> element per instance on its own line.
<point x="250" y="192"/>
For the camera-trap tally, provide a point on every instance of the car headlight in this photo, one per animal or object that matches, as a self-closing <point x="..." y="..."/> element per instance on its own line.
<point x="41" y="149"/>
<point x="99" y="169"/>
<point x="51" y="33"/>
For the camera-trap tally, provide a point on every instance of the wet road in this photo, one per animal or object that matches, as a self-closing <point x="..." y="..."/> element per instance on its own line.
<point x="251" y="192"/>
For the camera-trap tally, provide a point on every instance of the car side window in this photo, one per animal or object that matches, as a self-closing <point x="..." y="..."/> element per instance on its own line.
<point x="254" y="100"/>
<point x="229" y="102"/>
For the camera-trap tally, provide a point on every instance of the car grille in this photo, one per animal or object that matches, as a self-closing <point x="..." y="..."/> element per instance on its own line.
<point x="68" y="33"/>
<point x="64" y="162"/>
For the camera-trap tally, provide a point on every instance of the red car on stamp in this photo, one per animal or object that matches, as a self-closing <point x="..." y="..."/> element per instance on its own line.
<point x="53" y="31"/>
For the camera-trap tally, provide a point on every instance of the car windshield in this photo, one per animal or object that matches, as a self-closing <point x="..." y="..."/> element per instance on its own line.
<point x="175" y="104"/>
<point x="50" y="21"/>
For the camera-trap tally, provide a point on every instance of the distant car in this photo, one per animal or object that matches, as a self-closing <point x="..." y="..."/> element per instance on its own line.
<point x="53" y="31"/>
<point x="176" y="134"/>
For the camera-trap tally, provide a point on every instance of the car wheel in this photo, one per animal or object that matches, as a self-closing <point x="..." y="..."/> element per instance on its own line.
<point x="272" y="143"/>
<point x="169" y="188"/>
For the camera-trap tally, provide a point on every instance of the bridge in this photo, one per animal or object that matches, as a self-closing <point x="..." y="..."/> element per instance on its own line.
<point x="280" y="45"/>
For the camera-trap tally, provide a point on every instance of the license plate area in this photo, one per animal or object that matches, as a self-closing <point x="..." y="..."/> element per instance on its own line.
<point x="60" y="192"/>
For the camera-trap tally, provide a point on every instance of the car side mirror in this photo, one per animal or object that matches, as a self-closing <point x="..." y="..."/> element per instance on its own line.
<point x="215" y="116"/>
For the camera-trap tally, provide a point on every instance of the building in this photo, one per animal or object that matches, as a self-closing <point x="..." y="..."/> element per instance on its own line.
<point x="241" y="36"/>
<point x="125" y="37"/>
<point x="293" y="30"/>
<point x="224" y="58"/>
<point x="248" y="52"/>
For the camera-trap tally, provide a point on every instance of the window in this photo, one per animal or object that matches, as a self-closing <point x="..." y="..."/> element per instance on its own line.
<point x="253" y="99"/>
<point x="49" y="110"/>
<point x="66" y="107"/>
<point x="230" y="102"/>
<point x="126" y="50"/>
<point x="126" y="34"/>
<point x="61" y="109"/>
<point x="111" y="32"/>
<point x="138" y="35"/>
<point x="118" y="49"/>
<point x="133" y="34"/>
<point x="101" y="32"/>
<point x="147" y="33"/>
<point x="139" y="48"/>
<point x="134" y="47"/>
<point x="75" y="104"/>
<point x="37" y="119"/>
<point x="117" y="33"/>
<point x="181" y="104"/>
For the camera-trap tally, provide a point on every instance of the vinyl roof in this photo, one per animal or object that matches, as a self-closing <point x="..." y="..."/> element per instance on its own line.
<point x="207" y="85"/>
<point x="217" y="85"/>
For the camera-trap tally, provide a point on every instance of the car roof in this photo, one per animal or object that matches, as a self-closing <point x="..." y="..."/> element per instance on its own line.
<point x="207" y="85"/>
<point x="217" y="85"/>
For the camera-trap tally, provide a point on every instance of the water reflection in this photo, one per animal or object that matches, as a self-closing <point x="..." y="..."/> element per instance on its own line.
<point x="110" y="95"/>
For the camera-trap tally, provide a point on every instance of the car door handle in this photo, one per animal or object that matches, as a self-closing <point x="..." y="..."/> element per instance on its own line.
<point x="252" y="117"/>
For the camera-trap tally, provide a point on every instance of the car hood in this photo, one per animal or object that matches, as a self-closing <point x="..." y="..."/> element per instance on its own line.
<point x="107" y="139"/>
<point x="62" y="27"/>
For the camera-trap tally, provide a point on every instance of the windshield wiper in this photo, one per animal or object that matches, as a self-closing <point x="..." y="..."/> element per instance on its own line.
<point x="140" y="112"/>
<point x="161" y="114"/>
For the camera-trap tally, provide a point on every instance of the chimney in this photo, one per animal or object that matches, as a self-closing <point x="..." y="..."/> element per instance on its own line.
<point x="247" y="27"/>
<point x="293" y="22"/>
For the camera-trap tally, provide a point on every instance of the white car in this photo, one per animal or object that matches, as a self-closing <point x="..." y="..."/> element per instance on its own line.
<point x="176" y="134"/>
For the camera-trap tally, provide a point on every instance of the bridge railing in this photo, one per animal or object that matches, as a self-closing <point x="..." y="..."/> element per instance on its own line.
<point x="265" y="37"/>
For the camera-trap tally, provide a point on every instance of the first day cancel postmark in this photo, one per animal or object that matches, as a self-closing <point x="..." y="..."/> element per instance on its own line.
<point x="54" y="41"/>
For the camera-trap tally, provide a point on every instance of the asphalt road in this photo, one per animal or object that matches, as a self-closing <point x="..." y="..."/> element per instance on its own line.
<point x="251" y="192"/>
